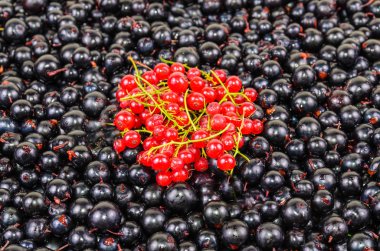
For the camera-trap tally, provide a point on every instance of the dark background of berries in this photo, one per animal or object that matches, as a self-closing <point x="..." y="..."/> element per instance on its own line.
<point x="312" y="182"/>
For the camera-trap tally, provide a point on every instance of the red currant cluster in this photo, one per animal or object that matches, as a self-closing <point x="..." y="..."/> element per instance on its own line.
<point x="188" y="116"/>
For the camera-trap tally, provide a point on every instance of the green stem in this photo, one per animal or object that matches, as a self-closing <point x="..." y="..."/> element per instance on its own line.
<point x="187" y="110"/>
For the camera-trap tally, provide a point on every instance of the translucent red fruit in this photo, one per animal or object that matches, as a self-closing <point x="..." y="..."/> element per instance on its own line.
<point x="151" y="77"/>
<point x="234" y="84"/>
<point x="214" y="148"/>
<point x="162" y="71"/>
<point x="177" y="67"/>
<point x="124" y="120"/>
<point x="164" y="178"/>
<point x="132" y="139"/>
<point x="178" y="82"/>
<point x="196" y="101"/>
<point x="160" y="162"/>
<point x="226" y="162"/>
<point x="218" y="122"/>
<point x="128" y="83"/>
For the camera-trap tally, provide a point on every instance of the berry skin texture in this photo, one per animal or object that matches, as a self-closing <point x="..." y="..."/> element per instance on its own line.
<point x="178" y="82"/>
<point x="226" y="162"/>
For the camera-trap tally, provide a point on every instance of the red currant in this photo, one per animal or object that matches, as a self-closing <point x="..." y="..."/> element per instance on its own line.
<point x="227" y="107"/>
<point x="128" y="83"/>
<point x="170" y="96"/>
<point x="251" y="94"/>
<point x="151" y="77"/>
<point x="136" y="107"/>
<point x="195" y="101"/>
<point x="201" y="165"/>
<point x="209" y="94"/>
<point x="213" y="108"/>
<point x="149" y="142"/>
<point x="120" y="93"/>
<point x="197" y="84"/>
<point x="226" y="162"/>
<point x="193" y="72"/>
<point x="219" y="76"/>
<point x="199" y="135"/>
<point x="246" y="109"/>
<point x="228" y="142"/>
<point x="258" y="126"/>
<point x="186" y="155"/>
<point x="218" y="122"/>
<point x="160" y="162"/>
<point x="132" y="139"/>
<point x="233" y="84"/>
<point x="171" y="134"/>
<point x="177" y="82"/>
<point x="214" y="148"/>
<point x="164" y="178"/>
<point x="162" y="71"/>
<point x="124" y="120"/>
<point x="119" y="145"/>
<point x="177" y="67"/>
<point x="176" y="164"/>
<point x="180" y="175"/>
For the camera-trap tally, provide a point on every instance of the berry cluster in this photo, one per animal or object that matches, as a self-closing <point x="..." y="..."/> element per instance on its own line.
<point x="183" y="116"/>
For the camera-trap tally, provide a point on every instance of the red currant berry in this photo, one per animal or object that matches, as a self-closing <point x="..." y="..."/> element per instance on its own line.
<point x="168" y="150"/>
<point x="162" y="71"/>
<point x="220" y="93"/>
<point x="180" y="175"/>
<point x="128" y="83"/>
<point x="197" y="84"/>
<point x="177" y="82"/>
<point x="247" y="126"/>
<point x="171" y="134"/>
<point x="124" y="120"/>
<point x="195" y="101"/>
<point x="149" y="142"/>
<point x="251" y="94"/>
<point x="170" y="96"/>
<point x="160" y="162"/>
<point x="132" y="139"/>
<point x="201" y="165"/>
<point x="151" y="77"/>
<point x="177" y="67"/>
<point x="246" y="109"/>
<point x="182" y="118"/>
<point x="198" y="136"/>
<point x="228" y="142"/>
<point x="144" y="158"/>
<point x="209" y="94"/>
<point x="213" y="108"/>
<point x="226" y="162"/>
<point x="164" y="178"/>
<point x="120" y="93"/>
<point x="227" y="107"/>
<point x="159" y="132"/>
<point x="153" y="121"/>
<point x="219" y="76"/>
<point x="234" y="84"/>
<point x="136" y="107"/>
<point x="214" y="148"/>
<point x="172" y="108"/>
<point x="258" y="126"/>
<point x="218" y="122"/>
<point x="176" y="164"/>
<point x="119" y="145"/>
<point x="192" y="73"/>
<point x="186" y="155"/>
<point x="145" y="115"/>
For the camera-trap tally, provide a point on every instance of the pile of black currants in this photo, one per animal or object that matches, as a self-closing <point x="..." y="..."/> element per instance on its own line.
<point x="312" y="181"/>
